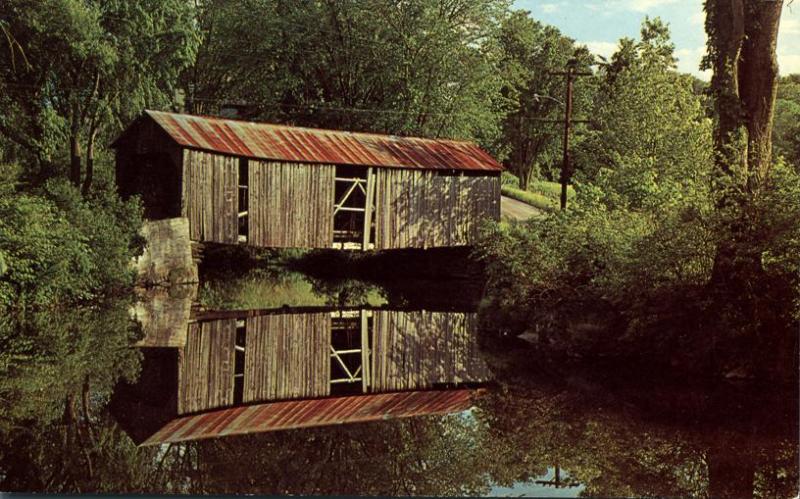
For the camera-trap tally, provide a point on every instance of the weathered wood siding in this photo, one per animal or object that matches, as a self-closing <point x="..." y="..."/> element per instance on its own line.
<point x="417" y="350"/>
<point x="424" y="209"/>
<point x="206" y="366"/>
<point x="210" y="196"/>
<point x="291" y="205"/>
<point x="287" y="356"/>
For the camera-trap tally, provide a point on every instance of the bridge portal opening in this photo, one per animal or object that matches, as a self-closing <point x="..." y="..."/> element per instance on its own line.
<point x="352" y="210"/>
<point x="351" y="332"/>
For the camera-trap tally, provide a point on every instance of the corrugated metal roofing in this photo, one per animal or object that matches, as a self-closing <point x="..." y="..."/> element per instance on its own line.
<point x="296" y="144"/>
<point x="308" y="413"/>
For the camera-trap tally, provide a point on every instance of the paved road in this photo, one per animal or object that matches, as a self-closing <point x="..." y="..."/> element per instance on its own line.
<point x="511" y="209"/>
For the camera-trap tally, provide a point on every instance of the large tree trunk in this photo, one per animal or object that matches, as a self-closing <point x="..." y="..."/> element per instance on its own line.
<point x="742" y="40"/>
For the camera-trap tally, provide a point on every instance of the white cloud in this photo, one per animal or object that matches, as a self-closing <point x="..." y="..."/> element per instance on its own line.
<point x="789" y="64"/>
<point x="689" y="61"/>
<point x="549" y="8"/>
<point x="698" y="18"/>
<point x="789" y="25"/>
<point x="605" y="49"/>
<point x="789" y="41"/>
<point x="632" y="5"/>
<point x="647" y="5"/>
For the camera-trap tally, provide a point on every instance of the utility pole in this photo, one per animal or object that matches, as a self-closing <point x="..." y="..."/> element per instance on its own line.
<point x="566" y="173"/>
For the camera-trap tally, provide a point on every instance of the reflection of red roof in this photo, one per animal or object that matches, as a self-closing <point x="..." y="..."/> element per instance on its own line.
<point x="307" y="413"/>
<point x="287" y="143"/>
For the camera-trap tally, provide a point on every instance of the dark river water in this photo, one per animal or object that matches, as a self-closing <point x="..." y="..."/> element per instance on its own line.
<point x="277" y="383"/>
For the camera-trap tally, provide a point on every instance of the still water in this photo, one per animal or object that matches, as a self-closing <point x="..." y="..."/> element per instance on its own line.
<point x="277" y="383"/>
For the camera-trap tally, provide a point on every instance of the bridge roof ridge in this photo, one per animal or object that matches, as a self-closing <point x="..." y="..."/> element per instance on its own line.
<point x="310" y="145"/>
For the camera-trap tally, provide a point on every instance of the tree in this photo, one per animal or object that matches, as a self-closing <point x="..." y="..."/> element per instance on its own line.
<point x="530" y="52"/>
<point x="424" y="69"/>
<point x="650" y="138"/>
<point x="742" y="37"/>
<point x="113" y="59"/>
<point x="787" y="120"/>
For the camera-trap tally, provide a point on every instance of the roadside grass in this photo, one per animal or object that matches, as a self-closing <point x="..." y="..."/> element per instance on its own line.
<point x="541" y="194"/>
<point x="534" y="199"/>
<point x="550" y="189"/>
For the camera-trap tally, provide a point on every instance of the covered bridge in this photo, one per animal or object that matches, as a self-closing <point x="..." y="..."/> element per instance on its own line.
<point x="281" y="186"/>
<point x="265" y="370"/>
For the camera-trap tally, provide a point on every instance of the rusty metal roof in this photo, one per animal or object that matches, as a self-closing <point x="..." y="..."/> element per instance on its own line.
<point x="296" y="144"/>
<point x="309" y="413"/>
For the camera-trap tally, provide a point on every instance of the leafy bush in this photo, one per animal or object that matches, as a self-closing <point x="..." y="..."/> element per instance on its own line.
<point x="59" y="248"/>
<point x="509" y="179"/>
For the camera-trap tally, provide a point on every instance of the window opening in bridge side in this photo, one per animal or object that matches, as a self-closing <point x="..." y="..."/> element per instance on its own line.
<point x="238" y="361"/>
<point x="350" y="352"/>
<point x="244" y="198"/>
<point x="352" y="206"/>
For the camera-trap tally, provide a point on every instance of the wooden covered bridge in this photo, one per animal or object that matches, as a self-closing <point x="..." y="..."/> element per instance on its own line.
<point x="280" y="186"/>
<point x="268" y="370"/>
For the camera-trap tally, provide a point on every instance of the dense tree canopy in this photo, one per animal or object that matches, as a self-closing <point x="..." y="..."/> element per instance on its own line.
<point x="74" y="70"/>
<point x="787" y="121"/>
<point x="531" y="53"/>
<point x="425" y="69"/>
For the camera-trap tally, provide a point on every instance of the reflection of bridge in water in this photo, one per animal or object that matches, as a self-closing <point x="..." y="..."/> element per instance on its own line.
<point x="242" y="372"/>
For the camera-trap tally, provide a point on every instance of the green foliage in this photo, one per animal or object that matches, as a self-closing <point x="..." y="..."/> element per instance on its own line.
<point x="46" y="257"/>
<point x="509" y="179"/>
<point x="530" y="52"/>
<point x="47" y="358"/>
<point x="551" y="189"/>
<point x="424" y="69"/>
<point x="541" y="194"/>
<point x="653" y="144"/>
<point x="786" y="133"/>
<point x="113" y="58"/>
<point x="60" y="248"/>
<point x="626" y="269"/>
<point x="643" y="191"/>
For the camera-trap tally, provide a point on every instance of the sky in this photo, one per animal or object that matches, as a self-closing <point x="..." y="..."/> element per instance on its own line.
<point x="599" y="24"/>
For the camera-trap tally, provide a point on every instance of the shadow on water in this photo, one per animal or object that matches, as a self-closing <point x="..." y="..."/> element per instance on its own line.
<point x="339" y="394"/>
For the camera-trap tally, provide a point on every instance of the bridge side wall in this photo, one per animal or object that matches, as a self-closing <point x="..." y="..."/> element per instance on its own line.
<point x="206" y="367"/>
<point x="290" y="204"/>
<point x="287" y="356"/>
<point x="426" y="209"/>
<point x="419" y="350"/>
<point x="210" y="196"/>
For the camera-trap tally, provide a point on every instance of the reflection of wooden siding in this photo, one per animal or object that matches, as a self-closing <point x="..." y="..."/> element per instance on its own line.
<point x="287" y="356"/>
<point x="423" y="209"/>
<point x="210" y="190"/>
<point x="416" y="350"/>
<point x="291" y="205"/>
<point x="205" y="373"/>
